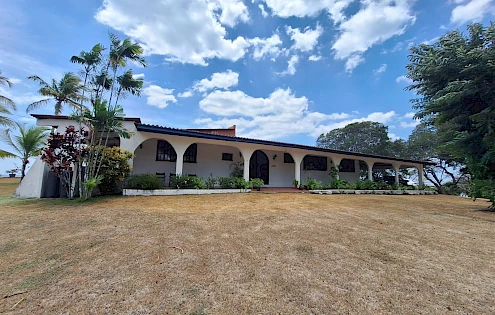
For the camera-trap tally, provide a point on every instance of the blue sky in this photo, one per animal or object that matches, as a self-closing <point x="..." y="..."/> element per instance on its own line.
<point x="284" y="70"/>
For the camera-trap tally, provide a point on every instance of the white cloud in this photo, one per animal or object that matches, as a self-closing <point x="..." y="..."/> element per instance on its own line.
<point x="403" y="79"/>
<point x="182" y="30"/>
<point x="138" y="76"/>
<point x="305" y="8"/>
<point x="409" y="115"/>
<point x="314" y="58"/>
<point x="352" y="62"/>
<point x="380" y="70"/>
<point x="158" y="96"/>
<point x="374" y="23"/>
<point x="281" y="114"/>
<point x="471" y="11"/>
<point x="218" y="80"/>
<point x="411" y="124"/>
<point x="263" y="11"/>
<point x="430" y="41"/>
<point x="21" y="99"/>
<point x="231" y="11"/>
<point x="15" y="80"/>
<point x="291" y="66"/>
<point x="266" y="46"/>
<point x="306" y="40"/>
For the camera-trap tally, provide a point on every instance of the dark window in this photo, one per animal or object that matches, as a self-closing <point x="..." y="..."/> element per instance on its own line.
<point x="227" y="156"/>
<point x="347" y="166"/>
<point x="191" y="154"/>
<point x="165" y="151"/>
<point x="315" y="163"/>
<point x="288" y="158"/>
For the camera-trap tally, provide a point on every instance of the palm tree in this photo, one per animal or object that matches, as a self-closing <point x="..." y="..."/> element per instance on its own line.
<point x="90" y="60"/>
<point x="128" y="84"/>
<point x="66" y="91"/>
<point x="6" y="104"/>
<point x="120" y="53"/>
<point x="26" y="145"/>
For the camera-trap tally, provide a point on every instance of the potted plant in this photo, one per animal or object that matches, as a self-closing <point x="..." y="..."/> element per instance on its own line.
<point x="256" y="183"/>
<point x="295" y="182"/>
<point x="13" y="172"/>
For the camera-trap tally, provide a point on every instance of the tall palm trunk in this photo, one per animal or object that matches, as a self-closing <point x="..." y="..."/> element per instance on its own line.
<point x="80" y="114"/>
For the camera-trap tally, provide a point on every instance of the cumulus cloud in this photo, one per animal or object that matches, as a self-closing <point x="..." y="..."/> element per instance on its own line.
<point x="314" y="58"/>
<point x="403" y="79"/>
<point x="380" y="70"/>
<point x="305" y="8"/>
<point x="281" y="114"/>
<point x="218" y="80"/>
<point x="374" y="23"/>
<point x="263" y="11"/>
<point x="166" y="27"/>
<point x="291" y="66"/>
<point x="266" y="46"/>
<point x="471" y="10"/>
<point x="158" y="96"/>
<point x="305" y="40"/>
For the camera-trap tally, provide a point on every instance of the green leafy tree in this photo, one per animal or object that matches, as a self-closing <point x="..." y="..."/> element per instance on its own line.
<point x="67" y="91"/>
<point x="363" y="137"/>
<point x="454" y="79"/>
<point x="449" y="172"/>
<point x="115" y="169"/>
<point x="6" y="104"/>
<point x="27" y="144"/>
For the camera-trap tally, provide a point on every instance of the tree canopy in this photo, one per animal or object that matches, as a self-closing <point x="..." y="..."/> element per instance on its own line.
<point x="455" y="82"/>
<point x="363" y="137"/>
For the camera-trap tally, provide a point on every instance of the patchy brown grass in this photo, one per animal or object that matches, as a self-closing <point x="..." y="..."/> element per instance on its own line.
<point x="250" y="253"/>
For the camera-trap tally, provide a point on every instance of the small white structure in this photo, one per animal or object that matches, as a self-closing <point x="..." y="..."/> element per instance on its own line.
<point x="215" y="152"/>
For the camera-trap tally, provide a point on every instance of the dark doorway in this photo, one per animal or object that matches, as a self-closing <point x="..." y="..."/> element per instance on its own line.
<point x="259" y="166"/>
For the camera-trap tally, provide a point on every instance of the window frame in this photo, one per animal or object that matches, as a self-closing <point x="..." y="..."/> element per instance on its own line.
<point x="321" y="161"/>
<point x="288" y="158"/>
<point x="168" y="151"/>
<point x="228" y="157"/>
<point x="191" y="154"/>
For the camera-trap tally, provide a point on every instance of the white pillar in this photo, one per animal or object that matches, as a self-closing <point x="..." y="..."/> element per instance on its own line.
<point x="421" y="181"/>
<point x="396" y="170"/>
<point x="179" y="164"/>
<point x="336" y="163"/>
<point x="297" y="167"/>
<point x="246" y="154"/>
<point x="370" y="169"/>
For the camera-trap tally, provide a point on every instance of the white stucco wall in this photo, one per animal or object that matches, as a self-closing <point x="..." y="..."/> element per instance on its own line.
<point x="30" y="186"/>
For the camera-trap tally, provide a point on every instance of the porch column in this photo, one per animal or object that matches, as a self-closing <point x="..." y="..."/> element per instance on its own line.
<point x="421" y="181"/>
<point x="179" y="164"/>
<point x="336" y="163"/>
<point x="396" y="171"/>
<point x="370" y="169"/>
<point x="297" y="166"/>
<point x="246" y="154"/>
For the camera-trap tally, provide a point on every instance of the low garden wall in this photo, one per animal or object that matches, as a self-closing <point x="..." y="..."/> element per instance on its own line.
<point x="176" y="192"/>
<point x="372" y="192"/>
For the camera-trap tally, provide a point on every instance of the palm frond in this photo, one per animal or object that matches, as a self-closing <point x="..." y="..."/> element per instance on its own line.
<point x="38" y="79"/>
<point x="5" y="80"/>
<point x="37" y="105"/>
<point x="5" y="155"/>
<point x="5" y="101"/>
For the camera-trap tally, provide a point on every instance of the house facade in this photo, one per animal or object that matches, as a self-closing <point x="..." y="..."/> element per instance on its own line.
<point x="216" y="152"/>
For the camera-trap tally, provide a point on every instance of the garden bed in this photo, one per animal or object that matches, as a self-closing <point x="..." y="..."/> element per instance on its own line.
<point x="176" y="192"/>
<point x="372" y="192"/>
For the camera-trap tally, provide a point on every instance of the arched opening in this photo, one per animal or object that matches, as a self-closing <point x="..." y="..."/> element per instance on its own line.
<point x="259" y="166"/>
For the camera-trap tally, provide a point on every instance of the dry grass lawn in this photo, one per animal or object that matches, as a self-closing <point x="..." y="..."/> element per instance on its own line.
<point x="247" y="254"/>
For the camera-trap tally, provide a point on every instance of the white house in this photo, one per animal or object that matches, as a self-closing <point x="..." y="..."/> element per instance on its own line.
<point x="212" y="152"/>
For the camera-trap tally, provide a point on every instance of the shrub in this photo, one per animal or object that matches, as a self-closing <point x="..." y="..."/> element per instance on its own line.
<point x="367" y="185"/>
<point x="237" y="169"/>
<point x="312" y="184"/>
<point x="115" y="169"/>
<point x="241" y="183"/>
<point x="188" y="182"/>
<point x="483" y="189"/>
<point x="210" y="182"/>
<point x="338" y="184"/>
<point x="226" y="182"/>
<point x="256" y="182"/>
<point x="143" y="181"/>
